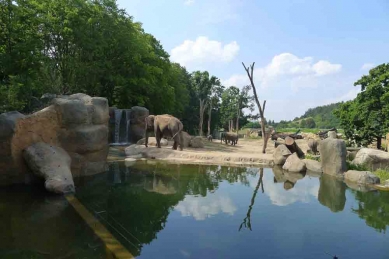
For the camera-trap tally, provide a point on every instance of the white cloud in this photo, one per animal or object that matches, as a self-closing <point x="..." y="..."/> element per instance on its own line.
<point x="201" y="208"/>
<point x="189" y="2"/>
<point x="367" y="66"/>
<point x="290" y="69"/>
<point x="203" y="50"/>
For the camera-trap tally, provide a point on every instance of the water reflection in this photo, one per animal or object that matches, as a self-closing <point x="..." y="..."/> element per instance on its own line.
<point x="332" y="193"/>
<point x="136" y="202"/>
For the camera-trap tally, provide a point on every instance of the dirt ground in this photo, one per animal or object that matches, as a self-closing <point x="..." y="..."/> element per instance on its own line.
<point x="247" y="152"/>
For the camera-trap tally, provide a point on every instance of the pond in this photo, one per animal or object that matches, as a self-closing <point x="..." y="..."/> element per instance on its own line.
<point x="160" y="210"/>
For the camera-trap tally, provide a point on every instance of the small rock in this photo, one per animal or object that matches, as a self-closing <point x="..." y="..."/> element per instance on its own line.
<point x="313" y="165"/>
<point x="361" y="177"/>
<point x="294" y="164"/>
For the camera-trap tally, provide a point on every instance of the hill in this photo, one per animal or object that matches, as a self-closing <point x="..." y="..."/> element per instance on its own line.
<point x="321" y="117"/>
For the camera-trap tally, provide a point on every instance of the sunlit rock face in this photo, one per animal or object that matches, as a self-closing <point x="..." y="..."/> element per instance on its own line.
<point x="77" y="123"/>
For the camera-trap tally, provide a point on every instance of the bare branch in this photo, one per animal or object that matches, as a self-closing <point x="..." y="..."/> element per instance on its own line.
<point x="263" y="107"/>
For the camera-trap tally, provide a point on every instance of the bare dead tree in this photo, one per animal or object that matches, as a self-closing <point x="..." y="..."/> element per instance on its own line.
<point x="265" y="135"/>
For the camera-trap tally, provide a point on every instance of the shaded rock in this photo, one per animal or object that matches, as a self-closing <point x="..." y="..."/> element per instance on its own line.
<point x="351" y="155"/>
<point x="313" y="144"/>
<point x="372" y="158"/>
<point x="281" y="154"/>
<point x="361" y="177"/>
<point x="137" y="123"/>
<point x="196" y="142"/>
<point x="72" y="111"/>
<point x="100" y="110"/>
<point x="333" y="156"/>
<point x="51" y="163"/>
<point x="313" y="166"/>
<point x="294" y="164"/>
<point x="332" y="193"/>
<point x="332" y="134"/>
<point x="8" y="124"/>
<point x="152" y="141"/>
<point x="84" y="139"/>
<point x="186" y="139"/>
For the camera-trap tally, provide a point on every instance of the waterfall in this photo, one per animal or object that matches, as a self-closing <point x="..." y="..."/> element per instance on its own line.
<point x="122" y="127"/>
<point x="118" y="117"/>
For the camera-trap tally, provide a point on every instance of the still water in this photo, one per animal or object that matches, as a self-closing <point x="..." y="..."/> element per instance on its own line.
<point x="190" y="211"/>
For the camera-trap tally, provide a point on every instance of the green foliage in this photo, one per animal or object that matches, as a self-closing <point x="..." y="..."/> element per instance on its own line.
<point x="365" y="118"/>
<point x="252" y="125"/>
<point x="351" y="166"/>
<point x="309" y="156"/>
<point x="383" y="174"/>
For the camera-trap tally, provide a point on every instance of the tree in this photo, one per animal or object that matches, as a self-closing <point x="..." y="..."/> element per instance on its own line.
<point x="213" y="101"/>
<point x="366" y="118"/>
<point x="310" y="123"/>
<point x="261" y="108"/>
<point x="203" y="84"/>
<point x="244" y="101"/>
<point x="303" y="123"/>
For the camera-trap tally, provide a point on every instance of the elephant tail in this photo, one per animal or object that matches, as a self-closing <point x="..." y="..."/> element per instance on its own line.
<point x="180" y="128"/>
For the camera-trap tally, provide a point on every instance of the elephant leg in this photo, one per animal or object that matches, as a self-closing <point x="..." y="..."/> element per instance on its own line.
<point x="175" y="143"/>
<point x="158" y="136"/>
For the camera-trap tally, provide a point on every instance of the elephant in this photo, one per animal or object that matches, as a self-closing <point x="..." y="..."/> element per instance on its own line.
<point x="233" y="137"/>
<point x="209" y="138"/>
<point x="312" y="144"/>
<point x="164" y="125"/>
<point x="222" y="136"/>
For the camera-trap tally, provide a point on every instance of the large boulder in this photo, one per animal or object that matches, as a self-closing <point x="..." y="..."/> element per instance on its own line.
<point x="152" y="141"/>
<point x="137" y="123"/>
<point x="196" y="142"/>
<point x="313" y="166"/>
<point x="333" y="156"/>
<point x="281" y="154"/>
<point x="361" y="177"/>
<point x="294" y="164"/>
<point x="372" y="158"/>
<point x="51" y="163"/>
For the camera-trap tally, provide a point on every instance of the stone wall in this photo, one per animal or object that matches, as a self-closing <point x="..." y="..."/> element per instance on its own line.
<point x="78" y="123"/>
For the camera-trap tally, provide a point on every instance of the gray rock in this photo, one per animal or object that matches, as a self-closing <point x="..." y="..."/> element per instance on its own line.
<point x="83" y="139"/>
<point x="281" y="154"/>
<point x="51" y="163"/>
<point x="333" y="156"/>
<point x="73" y="111"/>
<point x="361" y="177"/>
<point x="8" y="123"/>
<point x="294" y="164"/>
<point x="196" y="142"/>
<point x="134" y="150"/>
<point x="137" y="123"/>
<point x="100" y="110"/>
<point x="372" y="158"/>
<point x="332" y="134"/>
<point x="313" y="166"/>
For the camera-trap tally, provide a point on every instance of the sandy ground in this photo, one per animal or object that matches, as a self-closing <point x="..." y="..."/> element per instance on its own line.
<point x="247" y="152"/>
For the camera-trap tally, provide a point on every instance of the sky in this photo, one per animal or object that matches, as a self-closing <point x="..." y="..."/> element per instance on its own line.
<point x="306" y="52"/>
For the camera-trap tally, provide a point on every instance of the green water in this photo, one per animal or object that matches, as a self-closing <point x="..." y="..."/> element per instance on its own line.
<point x="190" y="211"/>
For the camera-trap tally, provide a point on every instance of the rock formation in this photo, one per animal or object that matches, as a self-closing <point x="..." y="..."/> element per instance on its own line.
<point x="78" y="123"/>
<point x="333" y="156"/>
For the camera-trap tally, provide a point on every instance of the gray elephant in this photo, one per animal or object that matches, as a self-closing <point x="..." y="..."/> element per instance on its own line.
<point x="312" y="144"/>
<point x="164" y="125"/>
<point x="209" y="138"/>
<point x="231" y="136"/>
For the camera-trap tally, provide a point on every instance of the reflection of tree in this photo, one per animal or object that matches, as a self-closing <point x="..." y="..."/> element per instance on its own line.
<point x="247" y="220"/>
<point x="373" y="207"/>
<point x="139" y="204"/>
<point x="332" y="193"/>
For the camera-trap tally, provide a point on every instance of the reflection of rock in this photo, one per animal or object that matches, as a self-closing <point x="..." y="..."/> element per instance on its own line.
<point x="52" y="164"/>
<point x="160" y="184"/>
<point x="288" y="178"/>
<point x="358" y="187"/>
<point x="332" y="193"/>
<point x="78" y="123"/>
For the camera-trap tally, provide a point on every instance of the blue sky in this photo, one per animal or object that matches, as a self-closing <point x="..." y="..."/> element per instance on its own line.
<point x="307" y="52"/>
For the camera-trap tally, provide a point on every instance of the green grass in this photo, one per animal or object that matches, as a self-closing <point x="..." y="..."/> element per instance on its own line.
<point x="311" y="157"/>
<point x="382" y="174"/>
